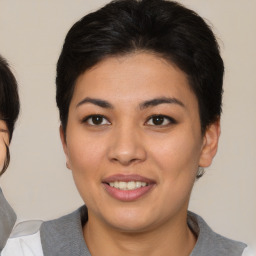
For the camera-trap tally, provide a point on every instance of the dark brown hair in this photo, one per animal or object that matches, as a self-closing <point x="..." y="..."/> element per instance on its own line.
<point x="9" y="103"/>
<point x="166" y="28"/>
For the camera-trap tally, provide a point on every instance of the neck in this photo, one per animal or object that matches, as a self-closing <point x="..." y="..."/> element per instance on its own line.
<point x="172" y="238"/>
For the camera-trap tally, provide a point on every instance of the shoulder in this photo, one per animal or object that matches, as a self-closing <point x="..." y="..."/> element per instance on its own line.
<point x="62" y="225"/>
<point x="64" y="235"/>
<point x="211" y="243"/>
<point x="7" y="220"/>
<point x="24" y="240"/>
<point x="61" y="236"/>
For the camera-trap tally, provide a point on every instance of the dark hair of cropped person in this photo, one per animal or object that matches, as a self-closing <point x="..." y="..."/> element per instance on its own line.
<point x="9" y="103"/>
<point x="164" y="28"/>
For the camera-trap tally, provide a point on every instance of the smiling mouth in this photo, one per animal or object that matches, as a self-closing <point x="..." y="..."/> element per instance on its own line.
<point x="130" y="185"/>
<point x="128" y="188"/>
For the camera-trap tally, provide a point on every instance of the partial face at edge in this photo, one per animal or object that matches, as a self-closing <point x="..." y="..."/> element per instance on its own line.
<point x="134" y="120"/>
<point x="4" y="140"/>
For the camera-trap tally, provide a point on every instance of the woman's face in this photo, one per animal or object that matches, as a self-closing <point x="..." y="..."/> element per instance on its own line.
<point x="4" y="140"/>
<point x="134" y="142"/>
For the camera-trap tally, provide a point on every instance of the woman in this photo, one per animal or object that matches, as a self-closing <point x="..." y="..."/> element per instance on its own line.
<point x="9" y="110"/>
<point x="139" y="91"/>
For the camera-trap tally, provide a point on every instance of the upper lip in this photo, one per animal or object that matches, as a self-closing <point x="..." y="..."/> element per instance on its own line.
<point x="127" y="178"/>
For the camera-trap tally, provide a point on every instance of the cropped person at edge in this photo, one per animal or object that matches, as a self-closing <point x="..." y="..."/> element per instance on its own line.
<point x="9" y="111"/>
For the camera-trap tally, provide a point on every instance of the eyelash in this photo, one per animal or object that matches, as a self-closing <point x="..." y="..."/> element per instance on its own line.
<point x="162" y="118"/>
<point x="86" y="120"/>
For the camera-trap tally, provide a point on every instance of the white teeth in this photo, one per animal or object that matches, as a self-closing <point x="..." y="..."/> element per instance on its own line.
<point x="122" y="185"/>
<point x="131" y="185"/>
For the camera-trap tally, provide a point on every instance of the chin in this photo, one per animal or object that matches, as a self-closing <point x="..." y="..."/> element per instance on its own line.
<point x="129" y="220"/>
<point x="131" y="226"/>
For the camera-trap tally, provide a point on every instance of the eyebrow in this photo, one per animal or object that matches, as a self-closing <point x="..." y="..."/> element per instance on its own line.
<point x="161" y="100"/>
<point x="98" y="102"/>
<point x="143" y="105"/>
<point x="3" y="130"/>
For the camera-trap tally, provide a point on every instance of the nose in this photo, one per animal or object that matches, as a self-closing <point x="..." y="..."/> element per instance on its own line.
<point x="127" y="146"/>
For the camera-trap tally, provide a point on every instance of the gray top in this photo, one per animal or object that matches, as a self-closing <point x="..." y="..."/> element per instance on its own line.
<point x="7" y="220"/>
<point x="210" y="243"/>
<point x="64" y="237"/>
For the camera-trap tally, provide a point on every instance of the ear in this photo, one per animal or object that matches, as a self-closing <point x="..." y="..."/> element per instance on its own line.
<point x="210" y="144"/>
<point x="64" y="145"/>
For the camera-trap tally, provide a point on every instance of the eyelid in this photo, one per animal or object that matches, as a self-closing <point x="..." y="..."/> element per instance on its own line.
<point x="85" y="119"/>
<point x="171" y="120"/>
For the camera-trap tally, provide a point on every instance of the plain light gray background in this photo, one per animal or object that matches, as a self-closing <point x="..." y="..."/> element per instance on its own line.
<point x="39" y="186"/>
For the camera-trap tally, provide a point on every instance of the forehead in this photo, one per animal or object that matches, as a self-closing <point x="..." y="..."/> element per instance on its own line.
<point x="3" y="126"/>
<point x="4" y="135"/>
<point x="136" y="76"/>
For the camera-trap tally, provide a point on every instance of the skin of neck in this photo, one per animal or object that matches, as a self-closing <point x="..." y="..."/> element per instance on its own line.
<point x="173" y="237"/>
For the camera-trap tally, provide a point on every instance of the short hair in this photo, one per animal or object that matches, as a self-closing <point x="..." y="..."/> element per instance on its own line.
<point x="165" y="28"/>
<point x="9" y="102"/>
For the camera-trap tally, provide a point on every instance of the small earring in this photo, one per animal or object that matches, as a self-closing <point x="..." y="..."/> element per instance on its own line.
<point x="200" y="172"/>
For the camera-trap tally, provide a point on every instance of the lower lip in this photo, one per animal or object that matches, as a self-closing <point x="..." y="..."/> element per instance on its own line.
<point x="127" y="195"/>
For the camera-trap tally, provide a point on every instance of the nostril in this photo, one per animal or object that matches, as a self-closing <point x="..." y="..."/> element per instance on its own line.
<point x="126" y="148"/>
<point x="127" y="161"/>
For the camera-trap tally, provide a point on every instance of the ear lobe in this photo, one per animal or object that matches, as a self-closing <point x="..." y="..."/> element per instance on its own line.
<point x="210" y="144"/>
<point x="64" y="145"/>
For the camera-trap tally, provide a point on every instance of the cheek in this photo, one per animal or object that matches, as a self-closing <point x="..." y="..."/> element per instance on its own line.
<point x="177" y="156"/>
<point x="85" y="156"/>
<point x="84" y="159"/>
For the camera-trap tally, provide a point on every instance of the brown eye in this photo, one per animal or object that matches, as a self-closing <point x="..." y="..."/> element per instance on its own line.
<point x="160" y="120"/>
<point x="96" y="120"/>
<point x="157" y="120"/>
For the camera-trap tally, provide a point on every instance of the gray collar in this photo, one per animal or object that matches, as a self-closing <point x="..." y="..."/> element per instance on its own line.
<point x="210" y="243"/>
<point x="64" y="237"/>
